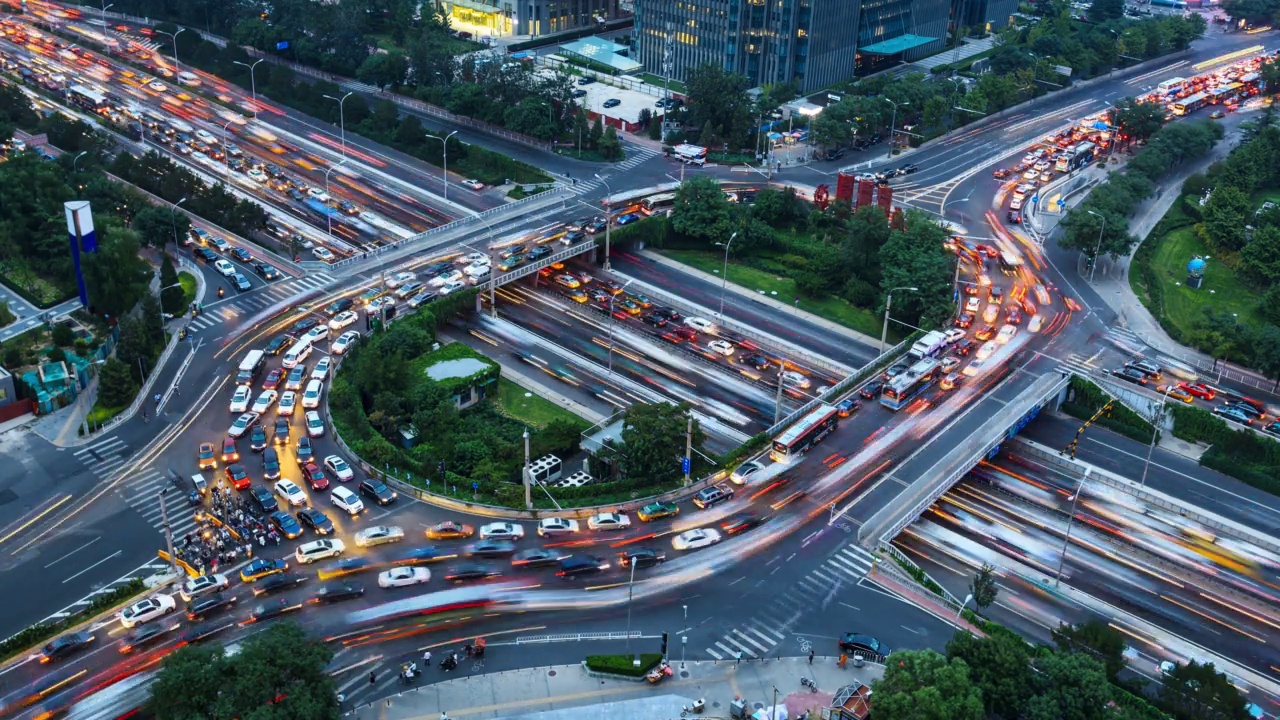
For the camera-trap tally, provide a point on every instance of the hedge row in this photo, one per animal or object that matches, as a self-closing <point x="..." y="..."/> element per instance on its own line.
<point x="1153" y="298"/>
<point x="1086" y="398"/>
<point x="623" y="664"/>
<point x="34" y="635"/>
<point x="1241" y="454"/>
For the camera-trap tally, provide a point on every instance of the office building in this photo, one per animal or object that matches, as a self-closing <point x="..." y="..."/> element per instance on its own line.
<point x="529" y="17"/>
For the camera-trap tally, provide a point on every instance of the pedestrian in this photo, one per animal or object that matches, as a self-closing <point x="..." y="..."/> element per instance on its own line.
<point x="426" y="659"/>
<point x="810" y="657"/>
<point x="373" y="679"/>
<point x="737" y="658"/>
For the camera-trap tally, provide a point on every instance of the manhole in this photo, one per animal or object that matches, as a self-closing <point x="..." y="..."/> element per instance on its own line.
<point x="715" y="704"/>
<point x="684" y="673"/>
<point x="758" y="706"/>
<point x="551" y="673"/>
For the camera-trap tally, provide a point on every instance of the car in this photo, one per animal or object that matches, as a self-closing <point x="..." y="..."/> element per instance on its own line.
<point x="402" y="278"/>
<point x="208" y="605"/>
<point x="987" y="350"/>
<point x="1149" y="369"/>
<point x="1013" y="314"/>
<point x="242" y="423"/>
<point x="492" y="548"/>
<point x="315" y="425"/>
<point x="954" y="335"/>
<point x="1001" y="173"/>
<point x="641" y="557"/>
<point x="312" y="518"/>
<point x="538" y="253"/>
<point x="230" y="453"/>
<point x="281" y="432"/>
<point x="1132" y="375"/>
<point x="345" y="500"/>
<point x="413" y="288"/>
<point x="262" y="567"/>
<point x="337" y="592"/>
<point x="403" y="577"/>
<point x="286" y="525"/>
<point x="277" y="346"/>
<point x="206" y="456"/>
<point x="317" y="333"/>
<point x="240" y="399"/>
<point x="951" y="381"/>
<point x="871" y="390"/>
<point x="1217" y="115"/>
<point x="242" y="255"/>
<point x="472" y="184"/>
<point x="65" y="646"/>
<point x="502" y="531"/>
<point x="908" y="169"/>
<point x="949" y="364"/>
<point x="611" y="103"/>
<point x="263" y="498"/>
<point x="972" y="305"/>
<point x="963" y="348"/>
<point x="265" y="400"/>
<point x="1006" y="333"/>
<point x="379" y="535"/>
<point x="258" y="438"/>
<point x="314" y="477"/>
<point x="740" y="523"/>
<point x="471" y="571"/>
<point x="205" y="254"/>
<point x="896" y="369"/>
<point x="237" y="477"/>
<point x="224" y="267"/>
<point x="343" y="319"/>
<point x="339" y="467"/>
<point x="1037" y="322"/>
<point x="144" y="636"/>
<point x="864" y="645"/>
<point x="722" y="347"/>
<point x="344" y="342"/>
<point x="455" y="274"/>
<point x="421" y="298"/>
<point x="1031" y="174"/>
<point x="1175" y="392"/>
<point x="288" y="401"/>
<point x="848" y="407"/>
<point x="273" y="379"/>
<point x="991" y="313"/>
<point x="339" y="306"/>
<point x="203" y="585"/>
<point x="609" y="521"/>
<point x="700" y="324"/>
<point x="986" y="332"/>
<point x="1200" y="390"/>
<point x="1254" y="411"/>
<point x="145" y="611"/>
<point x="696" y="538"/>
<point x="452" y="287"/>
<point x="577" y="565"/>
<point x="586" y="80"/>
<point x="303" y="451"/>
<point x="378" y="491"/>
<point x="537" y="557"/>
<point x="1233" y="413"/>
<point x="291" y="493"/>
<point x="241" y="282"/>
<point x="553" y="526"/>
<point x="656" y="510"/>
<point x="304" y="325"/>
<point x="450" y="530"/>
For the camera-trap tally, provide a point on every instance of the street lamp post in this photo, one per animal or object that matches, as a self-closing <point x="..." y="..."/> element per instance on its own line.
<point x="888" y="303"/>
<point x="253" y="85"/>
<point x="445" y="161"/>
<point x="105" y="8"/>
<point x="168" y="530"/>
<point x="73" y="165"/>
<point x="226" y="141"/>
<point x="173" y="218"/>
<point x="724" y="275"/>
<point x="1155" y="430"/>
<point x="630" y="586"/>
<point x="329" y="217"/>
<point x="1062" y="557"/>
<point x="608" y="221"/>
<point x="160" y="295"/>
<point x="893" y="120"/>
<point x="684" y="639"/>
<point x="967" y="598"/>
<point x="613" y="321"/>
<point x="174" y="36"/>
<point x="342" y="118"/>
<point x="528" y="481"/>
<point x="1098" y="249"/>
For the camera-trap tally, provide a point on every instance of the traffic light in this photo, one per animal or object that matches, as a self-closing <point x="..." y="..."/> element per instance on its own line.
<point x="440" y="468"/>
<point x="664" y="644"/>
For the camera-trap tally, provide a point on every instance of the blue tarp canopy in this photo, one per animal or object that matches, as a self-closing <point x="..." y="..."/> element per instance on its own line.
<point x="902" y="43"/>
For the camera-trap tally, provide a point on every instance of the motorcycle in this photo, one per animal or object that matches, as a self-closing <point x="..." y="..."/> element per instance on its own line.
<point x="222" y="292"/>
<point x="450" y="662"/>
<point x="409" y="673"/>
<point x="662" y="671"/>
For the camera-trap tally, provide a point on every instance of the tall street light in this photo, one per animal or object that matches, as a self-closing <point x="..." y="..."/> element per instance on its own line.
<point x="608" y="221"/>
<point x="893" y="120"/>
<point x="445" y="141"/>
<point x="613" y="320"/>
<point x="342" y="118"/>
<point x="73" y="166"/>
<point x="1062" y="557"/>
<point x="1098" y="249"/>
<point x="173" y="218"/>
<point x="160" y="296"/>
<point x="226" y="142"/>
<point x="174" y="36"/>
<point x="888" y="303"/>
<point x="328" y="215"/>
<point x="105" y="8"/>
<point x="253" y="85"/>
<point x="724" y="275"/>
<point x="1155" y="431"/>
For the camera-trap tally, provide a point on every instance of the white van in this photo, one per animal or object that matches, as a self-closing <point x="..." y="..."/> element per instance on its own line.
<point x="311" y="396"/>
<point x="188" y="79"/>
<point x="247" y="373"/>
<point x="299" y="353"/>
<point x="346" y="501"/>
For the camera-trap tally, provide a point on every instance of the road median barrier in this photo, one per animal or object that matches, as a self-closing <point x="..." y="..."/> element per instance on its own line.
<point x="621" y="667"/>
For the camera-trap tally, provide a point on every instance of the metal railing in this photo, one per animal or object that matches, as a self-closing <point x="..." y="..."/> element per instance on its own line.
<point x="531" y="268"/>
<point x="888" y="566"/>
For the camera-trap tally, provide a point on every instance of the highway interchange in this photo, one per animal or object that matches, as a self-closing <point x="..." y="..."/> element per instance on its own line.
<point x="90" y="515"/>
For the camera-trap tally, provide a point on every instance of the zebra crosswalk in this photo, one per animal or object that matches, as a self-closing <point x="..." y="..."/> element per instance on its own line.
<point x="1115" y="338"/>
<point x="270" y="295"/>
<point x="636" y="155"/>
<point x="141" y="490"/>
<point x="758" y="636"/>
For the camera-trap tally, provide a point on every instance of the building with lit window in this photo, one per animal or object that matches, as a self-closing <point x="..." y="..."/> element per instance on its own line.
<point x="816" y="43"/>
<point x="528" y="17"/>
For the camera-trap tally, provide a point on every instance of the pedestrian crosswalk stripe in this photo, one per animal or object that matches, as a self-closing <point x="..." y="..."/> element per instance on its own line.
<point x="750" y="640"/>
<point x="714" y="654"/>
<point x="828" y="580"/>
<point x="745" y="650"/>
<point x="727" y="650"/>
<point x="811" y="585"/>
<point x="762" y="636"/>
<point x="841" y="565"/>
<point x="770" y="630"/>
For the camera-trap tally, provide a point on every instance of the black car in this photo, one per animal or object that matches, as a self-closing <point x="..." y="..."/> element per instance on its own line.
<point x="241" y="282"/>
<point x="579" y="92"/>
<point x="757" y="361"/>
<point x="265" y="499"/>
<point x="437" y="268"/>
<point x="296" y="195"/>
<point x="205" y="254"/>
<point x="962" y="347"/>
<point x="596" y="226"/>
<point x="907" y="169"/>
<point x="273" y="610"/>
<point x="281" y="434"/>
<point x="200" y="633"/>
<point x="377" y="490"/>
<point x="241" y="254"/>
<point x="1134" y="376"/>
<point x="65" y="646"/>
<point x="671" y="314"/>
<point x="536" y="557"/>
<point x="286" y="525"/>
<point x="655" y="319"/>
<point x="642" y="557"/>
<point x="848" y="407"/>
<point x="278" y="344"/>
<point x="586" y="80"/>
<point x="428" y="554"/>
<point x="863" y="644"/>
<point x="539" y="252"/>
<point x="577" y="565"/>
<point x="1013" y="216"/>
<point x="492" y="548"/>
<point x="337" y="592"/>
<point x="304" y="325"/>
<point x="319" y="523"/>
<point x="209" y="605"/>
<point x="278" y="583"/>
<point x="265" y="271"/>
<point x="471" y="571"/>
<point x="1233" y="413"/>
<point x="740" y="523"/>
<point x="573" y="236"/>
<point x="339" y="305"/>
<point x="304" y="451"/>
<point x="871" y="390"/>
<point x="258" y="438"/>
<point x="146" y="635"/>
<point x="270" y="464"/>
<point x="1245" y="408"/>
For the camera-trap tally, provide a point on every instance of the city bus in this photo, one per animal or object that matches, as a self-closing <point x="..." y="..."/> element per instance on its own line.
<point x="811" y="429"/>
<point x="1074" y="158"/>
<point x="690" y="154"/>
<point x="1009" y="264"/>
<point x="1188" y="105"/>
<point x="1226" y="94"/>
<point x="87" y="98"/>
<point x="903" y="389"/>
<point x="1172" y="86"/>
<point x="656" y="203"/>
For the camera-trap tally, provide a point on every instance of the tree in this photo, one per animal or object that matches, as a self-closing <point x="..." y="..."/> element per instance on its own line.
<point x="777" y="208"/>
<point x="1260" y="259"/>
<point x="916" y="258"/>
<point x="1270" y="305"/>
<point x="116" y="387"/>
<point x="1101" y="11"/>
<point x="701" y="210"/>
<point x="653" y="437"/>
<point x="384" y="69"/>
<point x="157" y="226"/>
<point x="1102" y="231"/>
<point x="1193" y="691"/>
<point x="116" y="275"/>
<point x="1252" y="10"/>
<point x="610" y="145"/>
<point x="1069" y="687"/>
<point x="718" y="103"/>
<point x="923" y="685"/>
<point x="172" y="299"/>
<point x="1000" y="666"/>
<point x="597" y="132"/>
<point x="1096" y="639"/>
<point x="1137" y="120"/>
<point x="984" y="587"/>
<point x="1266" y="351"/>
<point x="654" y="131"/>
<point x="1224" y="219"/>
<point x="278" y="674"/>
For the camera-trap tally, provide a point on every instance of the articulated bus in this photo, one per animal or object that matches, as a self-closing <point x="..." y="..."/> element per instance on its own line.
<point x="657" y="203"/>
<point x="1225" y="94"/>
<point x="1172" y="86"/>
<point x="811" y="429"/>
<point x="903" y="389"/>
<point x="1188" y="105"/>
<point x="87" y="98"/>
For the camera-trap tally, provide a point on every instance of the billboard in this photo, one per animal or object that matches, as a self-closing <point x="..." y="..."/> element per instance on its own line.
<point x="83" y="239"/>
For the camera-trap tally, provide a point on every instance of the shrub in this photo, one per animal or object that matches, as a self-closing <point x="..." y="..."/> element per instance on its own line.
<point x="1087" y="398"/>
<point x="623" y="664"/>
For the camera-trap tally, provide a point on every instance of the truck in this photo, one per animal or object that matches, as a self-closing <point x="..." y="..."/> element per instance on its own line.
<point x="932" y="342"/>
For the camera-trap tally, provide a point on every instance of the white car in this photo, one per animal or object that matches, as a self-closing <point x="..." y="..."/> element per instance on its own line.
<point x="345" y="500"/>
<point x="399" y="279"/>
<point x="475" y="258"/>
<point x="265" y="401"/>
<point x="157" y="86"/>
<point x="379" y="535"/>
<point x="744" y="471"/>
<point x="220" y="244"/>
<point x="700" y="324"/>
<point x="308" y="553"/>
<point x="949" y="364"/>
<point x="987" y="350"/>
<point x="147" y="610"/>
<point x="501" y="531"/>
<point x="445" y="278"/>
<point x="201" y="158"/>
<point x="311" y="396"/>
<point x="257" y="176"/>
<point x="955" y="335"/>
<point x="321" y="370"/>
<point x="475" y="270"/>
<point x="339" y="468"/>
<point x="452" y="287"/>
<point x="1006" y="333"/>
<point x="404" y="577"/>
<point x="288" y="401"/>
<point x="242" y="424"/>
<point x="791" y="377"/>
<point x="344" y="341"/>
<point x="972" y="305"/>
<point x="552" y="526"/>
<point x="290" y="491"/>
<point x="315" y="425"/>
<point x="724" y="347"/>
<point x="318" y="193"/>
<point x="224" y="267"/>
<point x="609" y="521"/>
<point x="696" y="538"/>
<point x="1035" y="324"/>
<point x="408" y="290"/>
<point x="343" y="319"/>
<point x="206" y="137"/>
<point x="322" y="253"/>
<point x="203" y="585"/>
<point x="240" y="399"/>
<point x="472" y="184"/>
<point x="318" y="332"/>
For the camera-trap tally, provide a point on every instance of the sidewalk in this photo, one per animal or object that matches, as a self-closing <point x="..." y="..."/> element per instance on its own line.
<point x="567" y="692"/>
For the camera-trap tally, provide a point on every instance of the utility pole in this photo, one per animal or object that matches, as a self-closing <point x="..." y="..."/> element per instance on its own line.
<point x="684" y="639"/>
<point x="630" y="586"/>
<point x="777" y="401"/>
<point x="667" y="49"/>
<point x="1062" y="557"/>
<point x="688" y="450"/>
<point x="168" y="531"/>
<point x="528" y="479"/>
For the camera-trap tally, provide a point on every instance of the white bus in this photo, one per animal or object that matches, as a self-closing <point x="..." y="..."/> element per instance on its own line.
<point x="690" y="154"/>
<point x="657" y="203"/>
<point x="1172" y="86"/>
<point x="249" y="368"/>
<point x="811" y="429"/>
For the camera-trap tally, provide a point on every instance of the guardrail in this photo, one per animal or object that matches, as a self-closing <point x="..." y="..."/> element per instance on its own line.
<point x="531" y="268"/>
<point x="888" y="566"/>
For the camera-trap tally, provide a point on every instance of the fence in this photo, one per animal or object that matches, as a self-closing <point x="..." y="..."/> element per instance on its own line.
<point x="888" y="566"/>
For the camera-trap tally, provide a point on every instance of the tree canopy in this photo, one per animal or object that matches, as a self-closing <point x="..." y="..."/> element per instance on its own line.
<point x="923" y="685"/>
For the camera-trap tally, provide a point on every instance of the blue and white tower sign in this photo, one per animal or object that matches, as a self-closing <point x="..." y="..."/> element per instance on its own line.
<point x="83" y="240"/>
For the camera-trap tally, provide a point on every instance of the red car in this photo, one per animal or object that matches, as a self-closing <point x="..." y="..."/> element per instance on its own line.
<point x="273" y="379"/>
<point x="964" y="320"/>
<point x="1001" y="173"/>
<point x="238" y="478"/>
<point x="985" y="332"/>
<point x="230" y="453"/>
<point x="1014" y="314"/>
<point x="315" y="476"/>
<point x="1200" y="390"/>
